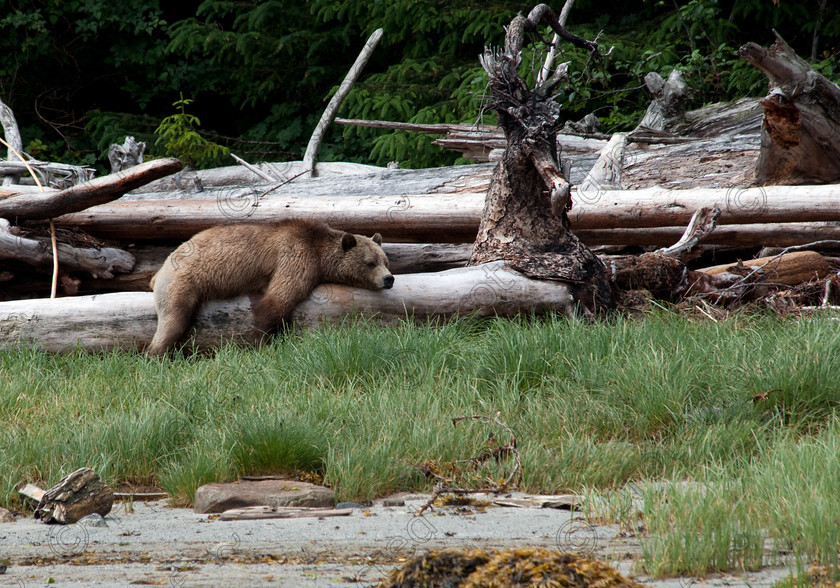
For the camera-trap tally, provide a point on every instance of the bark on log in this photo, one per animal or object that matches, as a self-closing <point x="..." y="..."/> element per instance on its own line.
<point x="800" y="139"/>
<point x="454" y="218"/>
<point x="524" y="219"/>
<point x="128" y="320"/>
<point x="102" y="262"/>
<point x="82" y="196"/>
<point x="77" y="495"/>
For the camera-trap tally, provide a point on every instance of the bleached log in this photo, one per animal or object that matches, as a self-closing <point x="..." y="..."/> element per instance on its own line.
<point x="606" y="173"/>
<point x="82" y="196"/>
<point x="128" y="320"/>
<point x="754" y="235"/>
<point x="454" y="218"/>
<point x="102" y="262"/>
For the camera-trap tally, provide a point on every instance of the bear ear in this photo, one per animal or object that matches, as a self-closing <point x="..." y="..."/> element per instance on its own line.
<point x="377" y="238"/>
<point x="348" y="241"/>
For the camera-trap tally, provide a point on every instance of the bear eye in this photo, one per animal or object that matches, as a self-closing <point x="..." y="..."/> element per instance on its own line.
<point x="371" y="265"/>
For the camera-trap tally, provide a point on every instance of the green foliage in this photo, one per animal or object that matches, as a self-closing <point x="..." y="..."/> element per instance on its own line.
<point x="81" y="74"/>
<point x="179" y="137"/>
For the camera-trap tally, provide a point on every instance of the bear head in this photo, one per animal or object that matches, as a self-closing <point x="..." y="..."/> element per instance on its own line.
<point x="362" y="263"/>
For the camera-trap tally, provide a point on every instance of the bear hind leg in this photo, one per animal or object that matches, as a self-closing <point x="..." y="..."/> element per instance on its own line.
<point x="174" y="318"/>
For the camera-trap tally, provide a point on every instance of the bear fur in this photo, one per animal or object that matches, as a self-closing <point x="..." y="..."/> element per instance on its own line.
<point x="284" y="260"/>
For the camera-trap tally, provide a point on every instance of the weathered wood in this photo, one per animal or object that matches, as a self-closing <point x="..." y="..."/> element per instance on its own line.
<point x="667" y="109"/>
<point x="32" y="492"/>
<point x="310" y="158"/>
<point x="127" y="155"/>
<point x="800" y="139"/>
<point x="77" y="495"/>
<point x="790" y="269"/>
<point x="98" y="263"/>
<point x="128" y="320"/>
<point x="51" y="175"/>
<point x="454" y="218"/>
<point x="524" y="219"/>
<point x="256" y="513"/>
<point x="754" y="235"/>
<point x="82" y="196"/>
<point x="606" y="173"/>
<point x="12" y="133"/>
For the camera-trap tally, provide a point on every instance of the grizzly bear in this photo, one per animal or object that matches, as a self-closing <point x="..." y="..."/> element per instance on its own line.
<point x="284" y="260"/>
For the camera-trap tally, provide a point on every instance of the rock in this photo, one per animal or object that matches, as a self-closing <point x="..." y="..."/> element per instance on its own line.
<point x="393" y="502"/>
<point x="93" y="520"/>
<point x="6" y="516"/>
<point x="217" y="498"/>
<point x="341" y="505"/>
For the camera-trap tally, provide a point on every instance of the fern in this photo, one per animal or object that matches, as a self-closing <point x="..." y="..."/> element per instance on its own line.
<point x="178" y="134"/>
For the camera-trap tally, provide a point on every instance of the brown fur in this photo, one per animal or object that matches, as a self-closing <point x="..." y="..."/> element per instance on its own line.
<point x="285" y="260"/>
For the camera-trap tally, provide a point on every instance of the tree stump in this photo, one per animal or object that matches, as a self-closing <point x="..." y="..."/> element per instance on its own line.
<point x="800" y="137"/>
<point x="524" y="221"/>
<point x="77" y="495"/>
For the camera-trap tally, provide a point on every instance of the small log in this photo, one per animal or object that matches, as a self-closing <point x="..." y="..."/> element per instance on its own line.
<point x="102" y="262"/>
<point x="790" y="269"/>
<point x="128" y="320"/>
<point x="32" y="492"/>
<point x="800" y="138"/>
<point x="256" y="513"/>
<point x="82" y="196"/>
<point x="77" y="495"/>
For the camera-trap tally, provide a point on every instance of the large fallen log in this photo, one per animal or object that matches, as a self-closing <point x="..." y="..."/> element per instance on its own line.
<point x="454" y="218"/>
<point x="81" y="196"/>
<point x="104" y="262"/>
<point x="128" y="320"/>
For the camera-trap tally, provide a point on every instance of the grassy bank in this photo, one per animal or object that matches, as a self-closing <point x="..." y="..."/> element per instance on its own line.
<point x="593" y="405"/>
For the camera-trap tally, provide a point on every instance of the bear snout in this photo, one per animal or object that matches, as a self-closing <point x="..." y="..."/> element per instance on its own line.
<point x="388" y="282"/>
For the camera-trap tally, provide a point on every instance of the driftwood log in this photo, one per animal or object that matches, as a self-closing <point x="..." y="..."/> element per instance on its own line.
<point x="81" y="196"/>
<point x="99" y="263"/>
<point x="128" y="320"/>
<point x="800" y="139"/>
<point x="454" y="218"/>
<point x="77" y="495"/>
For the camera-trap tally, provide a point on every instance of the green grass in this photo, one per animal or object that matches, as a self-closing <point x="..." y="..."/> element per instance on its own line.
<point x="594" y="405"/>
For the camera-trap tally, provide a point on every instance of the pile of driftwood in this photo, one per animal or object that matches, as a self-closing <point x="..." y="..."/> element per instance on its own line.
<point x="661" y="205"/>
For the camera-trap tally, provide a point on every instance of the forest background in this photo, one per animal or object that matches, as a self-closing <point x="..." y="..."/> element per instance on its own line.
<point x="82" y="74"/>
